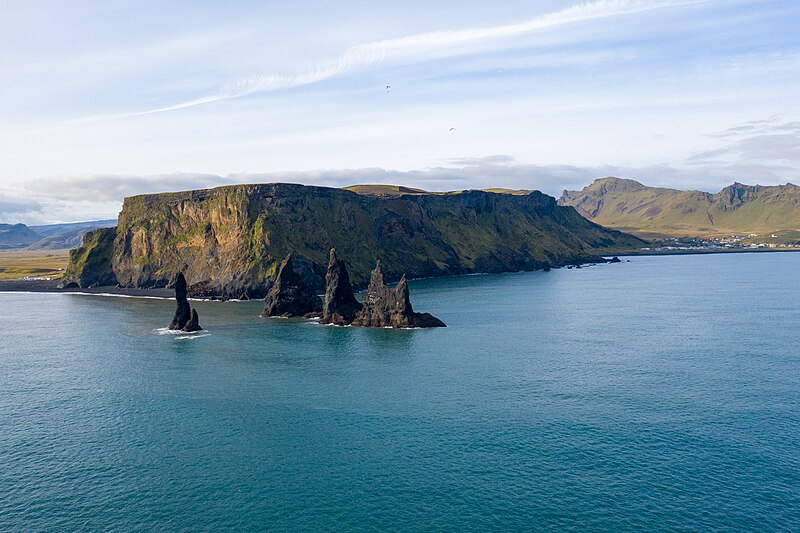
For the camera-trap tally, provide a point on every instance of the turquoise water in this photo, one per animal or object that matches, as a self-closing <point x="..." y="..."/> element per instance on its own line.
<point x="659" y="394"/>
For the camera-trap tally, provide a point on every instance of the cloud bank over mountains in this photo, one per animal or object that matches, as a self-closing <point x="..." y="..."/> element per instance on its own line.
<point x="757" y="152"/>
<point x="106" y="100"/>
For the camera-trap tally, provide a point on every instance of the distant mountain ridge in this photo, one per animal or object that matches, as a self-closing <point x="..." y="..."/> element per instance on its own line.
<point x="48" y="230"/>
<point x="630" y="206"/>
<point x="17" y="236"/>
<point x="48" y="236"/>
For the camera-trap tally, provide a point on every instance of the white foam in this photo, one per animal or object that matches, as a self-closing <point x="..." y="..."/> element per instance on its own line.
<point x="78" y="293"/>
<point x="167" y="331"/>
<point x="116" y="295"/>
<point x="190" y="336"/>
<point x="182" y="335"/>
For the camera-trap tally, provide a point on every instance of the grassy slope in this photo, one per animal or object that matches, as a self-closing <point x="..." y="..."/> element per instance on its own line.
<point x="16" y="264"/>
<point x="654" y="212"/>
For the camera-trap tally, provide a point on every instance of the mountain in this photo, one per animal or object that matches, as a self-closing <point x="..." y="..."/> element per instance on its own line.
<point x="229" y="240"/>
<point x="72" y="228"/>
<point x="60" y="241"/>
<point x="49" y="236"/>
<point x="66" y="236"/>
<point x="17" y="236"/>
<point x="629" y="206"/>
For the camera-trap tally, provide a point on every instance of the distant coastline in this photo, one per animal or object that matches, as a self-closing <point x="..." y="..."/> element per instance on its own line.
<point x="51" y="286"/>
<point x="705" y="251"/>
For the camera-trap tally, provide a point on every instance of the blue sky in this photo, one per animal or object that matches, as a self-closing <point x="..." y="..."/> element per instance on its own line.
<point x="100" y="100"/>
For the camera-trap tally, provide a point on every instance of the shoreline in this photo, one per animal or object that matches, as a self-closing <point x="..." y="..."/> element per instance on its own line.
<point x="51" y="287"/>
<point x="701" y="251"/>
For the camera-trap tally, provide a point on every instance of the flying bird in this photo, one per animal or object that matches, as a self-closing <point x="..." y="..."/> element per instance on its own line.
<point x="452" y="131"/>
<point x="388" y="88"/>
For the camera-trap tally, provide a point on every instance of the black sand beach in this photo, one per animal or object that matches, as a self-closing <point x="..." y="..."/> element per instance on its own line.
<point x="52" y="286"/>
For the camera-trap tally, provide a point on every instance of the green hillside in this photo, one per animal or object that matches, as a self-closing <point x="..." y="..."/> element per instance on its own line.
<point x="653" y="212"/>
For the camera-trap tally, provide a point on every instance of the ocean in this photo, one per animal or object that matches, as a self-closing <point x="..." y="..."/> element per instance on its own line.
<point x="657" y="394"/>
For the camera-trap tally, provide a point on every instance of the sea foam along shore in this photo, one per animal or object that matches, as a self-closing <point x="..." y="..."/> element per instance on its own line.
<point x="52" y="287"/>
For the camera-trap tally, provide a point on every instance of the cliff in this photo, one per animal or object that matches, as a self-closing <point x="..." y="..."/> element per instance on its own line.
<point x="657" y="212"/>
<point x="229" y="240"/>
<point x="90" y="265"/>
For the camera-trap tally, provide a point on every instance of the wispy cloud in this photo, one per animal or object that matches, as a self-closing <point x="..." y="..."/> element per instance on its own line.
<point x="765" y="142"/>
<point x="417" y="46"/>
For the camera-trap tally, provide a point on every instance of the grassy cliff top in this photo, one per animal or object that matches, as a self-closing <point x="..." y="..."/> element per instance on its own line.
<point x="374" y="190"/>
<point x="384" y="190"/>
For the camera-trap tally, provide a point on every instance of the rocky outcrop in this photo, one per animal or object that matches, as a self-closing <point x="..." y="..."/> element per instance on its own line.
<point x="193" y="324"/>
<point x="341" y="306"/>
<point x="230" y="240"/>
<point x="183" y="314"/>
<point x="614" y="259"/>
<point x="391" y="307"/>
<point x="290" y="295"/>
<point x="90" y="265"/>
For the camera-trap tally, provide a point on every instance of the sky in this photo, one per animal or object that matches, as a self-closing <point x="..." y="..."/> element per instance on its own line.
<point x="107" y="99"/>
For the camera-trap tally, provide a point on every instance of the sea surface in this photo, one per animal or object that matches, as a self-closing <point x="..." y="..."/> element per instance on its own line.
<point x="658" y="394"/>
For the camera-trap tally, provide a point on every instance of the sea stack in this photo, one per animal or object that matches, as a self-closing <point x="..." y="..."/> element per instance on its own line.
<point x="290" y="295"/>
<point x="341" y="306"/>
<point x="386" y="307"/>
<point x="183" y="313"/>
<point x="193" y="324"/>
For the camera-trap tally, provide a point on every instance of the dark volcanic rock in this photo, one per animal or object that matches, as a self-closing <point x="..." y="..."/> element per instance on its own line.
<point x="183" y="313"/>
<point x="386" y="307"/>
<point x="290" y="294"/>
<point x="341" y="305"/>
<point x="193" y="324"/>
<point x="614" y="259"/>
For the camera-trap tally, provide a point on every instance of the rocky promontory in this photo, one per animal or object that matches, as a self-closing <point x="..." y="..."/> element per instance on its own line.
<point x="230" y="240"/>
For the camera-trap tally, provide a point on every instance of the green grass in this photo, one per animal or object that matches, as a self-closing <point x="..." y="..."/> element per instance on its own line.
<point x="16" y="264"/>
<point x="655" y="213"/>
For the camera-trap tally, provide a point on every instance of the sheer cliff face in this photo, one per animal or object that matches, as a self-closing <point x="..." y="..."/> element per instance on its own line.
<point x="228" y="240"/>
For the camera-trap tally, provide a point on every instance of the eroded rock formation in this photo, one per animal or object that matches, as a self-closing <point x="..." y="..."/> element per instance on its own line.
<point x="341" y="306"/>
<point x="193" y="323"/>
<point x="290" y="295"/>
<point x="391" y="307"/>
<point x="183" y="313"/>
